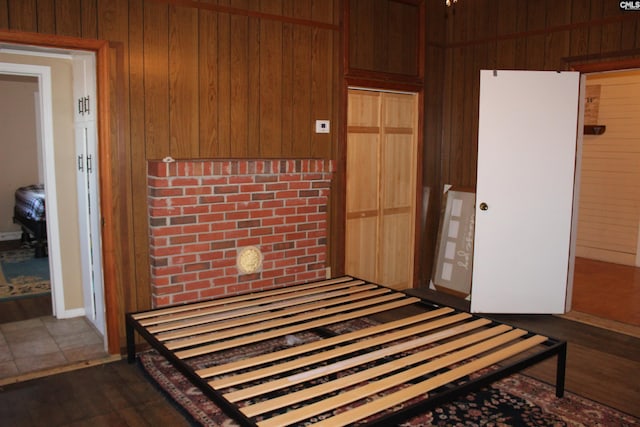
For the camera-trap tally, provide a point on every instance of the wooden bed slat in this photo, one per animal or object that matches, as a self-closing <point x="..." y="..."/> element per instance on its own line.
<point x="416" y="390"/>
<point x="351" y="348"/>
<point x="317" y="345"/>
<point x="341" y="365"/>
<point x="276" y="323"/>
<point x="369" y="374"/>
<point x="242" y="297"/>
<point x="210" y="348"/>
<point x="187" y="318"/>
<point x="389" y="401"/>
<point x="256" y="318"/>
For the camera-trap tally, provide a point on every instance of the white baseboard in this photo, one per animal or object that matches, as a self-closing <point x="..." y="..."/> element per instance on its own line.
<point x="10" y="235"/>
<point x="68" y="314"/>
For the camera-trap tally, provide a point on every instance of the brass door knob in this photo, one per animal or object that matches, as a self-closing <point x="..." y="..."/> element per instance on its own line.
<point x="484" y="206"/>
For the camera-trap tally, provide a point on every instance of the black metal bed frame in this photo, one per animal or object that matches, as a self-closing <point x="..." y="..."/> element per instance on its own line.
<point x="547" y="348"/>
<point x="37" y="229"/>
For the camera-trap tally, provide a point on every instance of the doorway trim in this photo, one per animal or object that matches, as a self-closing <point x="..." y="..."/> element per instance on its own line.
<point x="45" y="129"/>
<point x="584" y="69"/>
<point x="101" y="49"/>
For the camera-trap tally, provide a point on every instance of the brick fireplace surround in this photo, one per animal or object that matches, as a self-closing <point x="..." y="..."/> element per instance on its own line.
<point x="202" y="213"/>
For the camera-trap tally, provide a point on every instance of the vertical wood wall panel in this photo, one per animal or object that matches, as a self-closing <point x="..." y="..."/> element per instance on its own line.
<point x="47" y="16"/>
<point x="580" y="12"/>
<point x="301" y="82"/>
<point x="66" y="19"/>
<point x="156" y="79"/>
<point x="384" y="36"/>
<point x="22" y="15"/>
<point x="301" y="91"/>
<point x="183" y="83"/>
<point x="322" y="71"/>
<point x="4" y="15"/>
<point x="433" y="127"/>
<point x="595" y="33"/>
<point x="535" y="47"/>
<point x="521" y="42"/>
<point x="208" y="82"/>
<point x="556" y="43"/>
<point x="287" y="76"/>
<point x="140" y="294"/>
<point x="89" y="18"/>
<point x="239" y="86"/>
<point x="628" y="35"/>
<point x="253" y="100"/>
<point x="225" y="101"/>
<point x="270" y="88"/>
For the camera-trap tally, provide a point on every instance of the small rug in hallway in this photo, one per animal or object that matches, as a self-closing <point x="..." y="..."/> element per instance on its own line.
<point x="517" y="400"/>
<point x="23" y="275"/>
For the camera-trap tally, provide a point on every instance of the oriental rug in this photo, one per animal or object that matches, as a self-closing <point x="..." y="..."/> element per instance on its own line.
<point x="22" y="275"/>
<point x="517" y="400"/>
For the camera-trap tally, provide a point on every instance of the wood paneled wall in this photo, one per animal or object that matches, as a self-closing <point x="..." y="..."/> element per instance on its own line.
<point x="200" y="79"/>
<point x="521" y="35"/>
<point x="247" y="78"/>
<point x="384" y="36"/>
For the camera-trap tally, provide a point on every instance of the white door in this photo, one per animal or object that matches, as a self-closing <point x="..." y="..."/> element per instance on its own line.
<point x="87" y="185"/>
<point x="526" y="161"/>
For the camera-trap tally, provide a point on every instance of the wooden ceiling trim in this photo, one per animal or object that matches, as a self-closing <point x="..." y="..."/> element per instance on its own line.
<point x="546" y="31"/>
<point x="251" y="13"/>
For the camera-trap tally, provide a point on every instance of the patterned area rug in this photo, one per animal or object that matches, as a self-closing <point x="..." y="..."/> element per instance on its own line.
<point x="22" y="275"/>
<point x="517" y="400"/>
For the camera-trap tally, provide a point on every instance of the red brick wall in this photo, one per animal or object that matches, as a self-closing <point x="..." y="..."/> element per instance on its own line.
<point x="201" y="213"/>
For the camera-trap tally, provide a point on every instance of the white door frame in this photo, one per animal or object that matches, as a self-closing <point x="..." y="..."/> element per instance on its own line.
<point x="43" y="74"/>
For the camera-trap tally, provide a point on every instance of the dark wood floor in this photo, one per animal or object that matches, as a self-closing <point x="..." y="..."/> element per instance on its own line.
<point x="602" y="366"/>
<point x="25" y="308"/>
<point x="113" y="394"/>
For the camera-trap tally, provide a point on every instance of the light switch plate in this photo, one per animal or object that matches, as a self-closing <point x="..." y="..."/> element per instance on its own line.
<point x="322" y="126"/>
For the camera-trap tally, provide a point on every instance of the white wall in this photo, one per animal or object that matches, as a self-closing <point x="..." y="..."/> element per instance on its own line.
<point x="17" y="141"/>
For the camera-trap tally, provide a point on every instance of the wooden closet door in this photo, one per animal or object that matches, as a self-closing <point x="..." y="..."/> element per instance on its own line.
<point x="381" y="187"/>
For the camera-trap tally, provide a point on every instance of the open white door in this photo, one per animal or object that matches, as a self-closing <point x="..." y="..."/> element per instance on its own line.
<point x="87" y="184"/>
<point x="526" y="163"/>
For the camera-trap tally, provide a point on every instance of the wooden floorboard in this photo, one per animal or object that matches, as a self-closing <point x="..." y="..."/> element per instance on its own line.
<point x="610" y="291"/>
<point x="25" y="308"/>
<point x="114" y="394"/>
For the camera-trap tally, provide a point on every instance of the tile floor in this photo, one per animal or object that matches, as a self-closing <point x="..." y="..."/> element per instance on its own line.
<point x="46" y="342"/>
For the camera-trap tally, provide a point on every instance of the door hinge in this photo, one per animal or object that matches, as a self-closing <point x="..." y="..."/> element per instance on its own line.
<point x="84" y="105"/>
